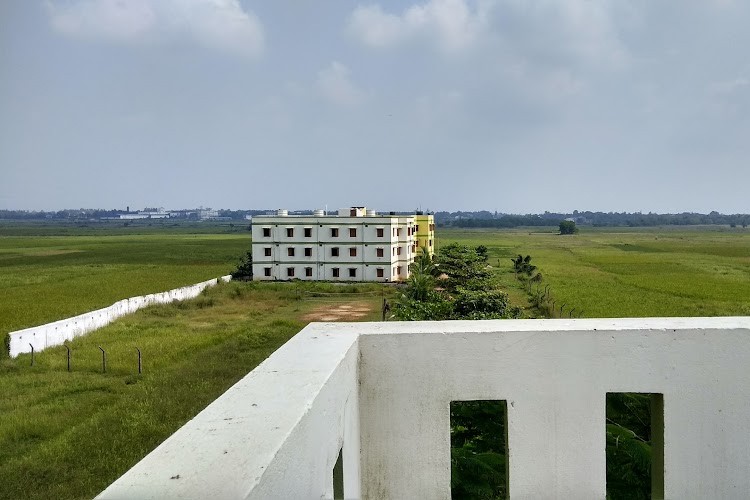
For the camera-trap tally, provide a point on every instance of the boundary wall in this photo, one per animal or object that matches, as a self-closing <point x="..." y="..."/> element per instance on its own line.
<point x="56" y="333"/>
<point x="380" y="393"/>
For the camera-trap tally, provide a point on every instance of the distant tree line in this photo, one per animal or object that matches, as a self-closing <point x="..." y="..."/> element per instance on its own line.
<point x="596" y="219"/>
<point x="461" y="219"/>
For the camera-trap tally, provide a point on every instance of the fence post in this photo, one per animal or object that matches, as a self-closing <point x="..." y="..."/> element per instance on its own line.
<point x="104" y="360"/>
<point x="68" y="348"/>
<point x="139" y="360"/>
<point x="32" y="353"/>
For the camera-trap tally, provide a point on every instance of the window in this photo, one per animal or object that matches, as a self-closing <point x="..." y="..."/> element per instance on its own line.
<point x="641" y="415"/>
<point x="308" y="252"/>
<point x="352" y="272"/>
<point x="379" y="232"/>
<point x="266" y="271"/>
<point x="398" y="270"/>
<point x="334" y="232"/>
<point x="353" y="212"/>
<point x="353" y="252"/>
<point x="398" y="251"/>
<point x="380" y="272"/>
<point x="394" y="251"/>
<point x="267" y="251"/>
<point x="398" y="231"/>
<point x="335" y="252"/>
<point x="290" y="232"/>
<point x="266" y="232"/>
<point x="352" y="232"/>
<point x="416" y="228"/>
<point x="308" y="272"/>
<point x="430" y="242"/>
<point x="290" y="251"/>
<point x="484" y="422"/>
<point x="394" y="271"/>
<point x="379" y="252"/>
<point x="290" y="271"/>
<point x="335" y="272"/>
<point x="394" y="231"/>
<point x="308" y="232"/>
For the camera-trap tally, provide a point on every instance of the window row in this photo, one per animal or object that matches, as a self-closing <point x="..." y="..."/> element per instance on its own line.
<point x="335" y="272"/>
<point x="380" y="232"/>
<point x="335" y="251"/>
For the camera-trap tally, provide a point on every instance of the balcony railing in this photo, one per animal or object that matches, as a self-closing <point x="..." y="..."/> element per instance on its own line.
<point x="376" y="396"/>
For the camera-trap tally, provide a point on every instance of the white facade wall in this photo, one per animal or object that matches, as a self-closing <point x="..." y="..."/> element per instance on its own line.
<point x="58" y="332"/>
<point x="322" y="237"/>
<point x="382" y="391"/>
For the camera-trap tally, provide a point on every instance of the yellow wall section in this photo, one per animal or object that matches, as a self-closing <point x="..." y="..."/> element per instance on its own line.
<point x="425" y="232"/>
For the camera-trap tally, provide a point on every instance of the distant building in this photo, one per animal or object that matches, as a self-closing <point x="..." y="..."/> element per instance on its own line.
<point x="355" y="244"/>
<point x="159" y="214"/>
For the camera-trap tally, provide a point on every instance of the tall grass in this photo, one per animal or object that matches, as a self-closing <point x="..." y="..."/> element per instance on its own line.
<point x="46" y="278"/>
<point x="69" y="434"/>
<point x="629" y="273"/>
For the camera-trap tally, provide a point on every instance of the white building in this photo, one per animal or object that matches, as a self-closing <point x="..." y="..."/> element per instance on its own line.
<point x="355" y="244"/>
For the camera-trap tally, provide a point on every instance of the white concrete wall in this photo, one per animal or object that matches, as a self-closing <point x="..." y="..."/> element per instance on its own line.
<point x="56" y="333"/>
<point x="384" y="390"/>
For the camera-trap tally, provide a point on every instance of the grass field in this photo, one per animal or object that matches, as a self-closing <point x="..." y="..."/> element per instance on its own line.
<point x="628" y="272"/>
<point x="68" y="435"/>
<point x="46" y="278"/>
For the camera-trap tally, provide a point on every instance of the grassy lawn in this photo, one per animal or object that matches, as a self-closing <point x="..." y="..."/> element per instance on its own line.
<point x="627" y="272"/>
<point x="46" y="278"/>
<point x="68" y="435"/>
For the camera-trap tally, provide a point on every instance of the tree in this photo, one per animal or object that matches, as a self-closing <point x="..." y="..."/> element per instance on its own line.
<point x="244" y="269"/>
<point x="568" y="227"/>
<point x="463" y="267"/>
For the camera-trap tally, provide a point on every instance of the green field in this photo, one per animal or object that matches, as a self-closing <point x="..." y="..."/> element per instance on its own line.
<point x="629" y="272"/>
<point x="68" y="435"/>
<point x="50" y="277"/>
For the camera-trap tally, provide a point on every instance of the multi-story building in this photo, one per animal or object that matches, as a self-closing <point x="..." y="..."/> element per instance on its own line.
<point x="355" y="244"/>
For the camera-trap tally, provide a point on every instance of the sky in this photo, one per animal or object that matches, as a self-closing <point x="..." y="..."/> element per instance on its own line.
<point x="515" y="106"/>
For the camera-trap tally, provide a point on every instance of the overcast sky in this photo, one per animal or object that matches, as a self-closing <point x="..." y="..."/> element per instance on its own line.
<point x="510" y="105"/>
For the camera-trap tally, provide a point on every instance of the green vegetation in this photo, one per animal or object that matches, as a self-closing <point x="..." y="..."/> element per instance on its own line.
<point x="624" y="272"/>
<point x="68" y="435"/>
<point x="568" y="227"/>
<point x="46" y="278"/>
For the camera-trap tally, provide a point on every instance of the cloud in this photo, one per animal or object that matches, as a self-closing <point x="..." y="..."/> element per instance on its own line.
<point x="451" y="24"/>
<point x="335" y="85"/>
<point x="545" y="30"/>
<point x="730" y="86"/>
<point x="218" y="24"/>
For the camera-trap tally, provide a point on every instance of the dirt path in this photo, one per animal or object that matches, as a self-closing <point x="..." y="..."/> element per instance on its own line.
<point x="352" y="311"/>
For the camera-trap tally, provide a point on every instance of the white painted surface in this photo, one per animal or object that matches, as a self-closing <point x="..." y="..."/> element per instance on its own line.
<point x="56" y="333"/>
<point x="385" y="389"/>
<point x="288" y="233"/>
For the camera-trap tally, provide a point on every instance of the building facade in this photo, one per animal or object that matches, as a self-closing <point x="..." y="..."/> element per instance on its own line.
<point x="354" y="244"/>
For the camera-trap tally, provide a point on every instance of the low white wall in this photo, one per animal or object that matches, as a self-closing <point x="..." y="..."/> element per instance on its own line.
<point x="56" y="333"/>
<point x="384" y="391"/>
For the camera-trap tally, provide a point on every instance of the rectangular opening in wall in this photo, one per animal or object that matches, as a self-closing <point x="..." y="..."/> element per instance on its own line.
<point x="635" y="445"/>
<point x="479" y="449"/>
<point x="338" y="476"/>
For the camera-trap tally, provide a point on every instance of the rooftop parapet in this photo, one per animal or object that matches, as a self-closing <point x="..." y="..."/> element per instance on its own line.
<point x="378" y="395"/>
